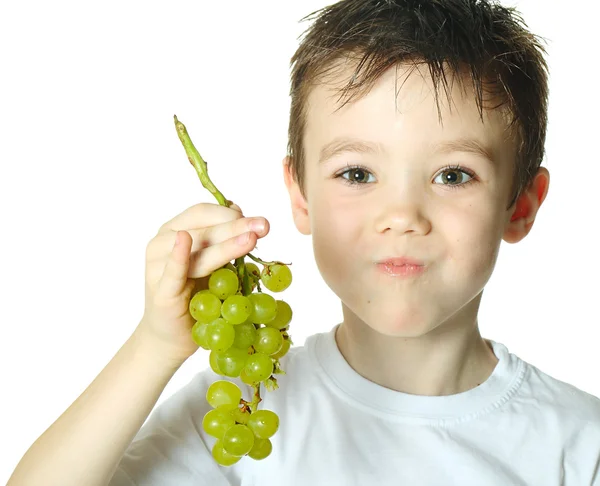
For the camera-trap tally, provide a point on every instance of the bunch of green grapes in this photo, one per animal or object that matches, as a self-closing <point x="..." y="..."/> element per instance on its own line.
<point x="246" y="336"/>
<point x="246" y="333"/>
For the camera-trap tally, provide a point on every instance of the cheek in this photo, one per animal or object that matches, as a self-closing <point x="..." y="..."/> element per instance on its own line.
<point x="472" y="241"/>
<point x="336" y="233"/>
<point x="335" y="216"/>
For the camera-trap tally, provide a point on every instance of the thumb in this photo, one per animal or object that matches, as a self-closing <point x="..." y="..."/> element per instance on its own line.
<point x="175" y="275"/>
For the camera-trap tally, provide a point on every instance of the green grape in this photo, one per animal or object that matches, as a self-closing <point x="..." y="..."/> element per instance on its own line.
<point x="199" y="334"/>
<point x="276" y="277"/>
<point x="245" y="334"/>
<point x="238" y="440"/>
<point x="268" y="340"/>
<point x="252" y="268"/>
<point x="239" y="416"/>
<point x="232" y="361"/>
<point x="212" y="359"/>
<point x="219" y="335"/>
<point x="205" y="291"/>
<point x="245" y="379"/>
<point x="285" y="347"/>
<point x="218" y="421"/>
<point x="261" y="449"/>
<point x="283" y="316"/>
<point x="223" y="457"/>
<point x="264" y="307"/>
<point x="258" y="367"/>
<point x="263" y="423"/>
<point x="230" y="266"/>
<point x="223" y="283"/>
<point x="205" y="306"/>
<point x="236" y="309"/>
<point x="223" y="392"/>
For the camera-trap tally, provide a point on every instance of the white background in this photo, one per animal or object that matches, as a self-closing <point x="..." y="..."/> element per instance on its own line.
<point x="91" y="167"/>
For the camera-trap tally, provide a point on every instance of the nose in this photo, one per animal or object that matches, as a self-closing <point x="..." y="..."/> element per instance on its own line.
<point x="401" y="210"/>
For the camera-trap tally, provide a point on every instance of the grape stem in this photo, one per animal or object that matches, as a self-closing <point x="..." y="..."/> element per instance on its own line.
<point x="258" y="260"/>
<point x="198" y="162"/>
<point x="256" y="398"/>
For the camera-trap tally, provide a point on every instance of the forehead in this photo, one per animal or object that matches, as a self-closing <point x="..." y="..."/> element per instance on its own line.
<point x="400" y="110"/>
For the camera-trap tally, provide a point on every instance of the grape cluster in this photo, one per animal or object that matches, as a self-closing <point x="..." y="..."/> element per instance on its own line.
<point x="246" y="336"/>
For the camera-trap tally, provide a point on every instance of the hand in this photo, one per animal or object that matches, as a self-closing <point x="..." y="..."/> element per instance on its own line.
<point x="208" y="239"/>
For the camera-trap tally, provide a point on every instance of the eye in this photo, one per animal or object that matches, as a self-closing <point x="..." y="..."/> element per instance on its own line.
<point x="357" y="175"/>
<point x="452" y="176"/>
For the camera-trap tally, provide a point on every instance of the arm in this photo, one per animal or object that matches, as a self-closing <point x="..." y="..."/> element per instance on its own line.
<point x="85" y="444"/>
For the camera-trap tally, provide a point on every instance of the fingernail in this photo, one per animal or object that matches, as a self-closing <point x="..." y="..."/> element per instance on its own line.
<point x="243" y="239"/>
<point x="257" y="225"/>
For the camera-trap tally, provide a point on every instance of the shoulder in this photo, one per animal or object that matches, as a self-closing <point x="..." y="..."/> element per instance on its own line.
<point x="571" y="417"/>
<point x="562" y="396"/>
<point x="568" y="411"/>
<point x="171" y="447"/>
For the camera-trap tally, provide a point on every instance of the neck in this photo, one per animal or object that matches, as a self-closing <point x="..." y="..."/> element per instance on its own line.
<point x="450" y="359"/>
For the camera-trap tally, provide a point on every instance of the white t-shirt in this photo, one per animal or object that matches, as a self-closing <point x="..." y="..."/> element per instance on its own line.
<point x="520" y="427"/>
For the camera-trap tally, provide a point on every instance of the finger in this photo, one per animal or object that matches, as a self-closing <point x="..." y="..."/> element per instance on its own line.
<point x="213" y="257"/>
<point x="210" y="236"/>
<point x="236" y="207"/>
<point x="175" y="275"/>
<point x="219" y="233"/>
<point x="208" y="214"/>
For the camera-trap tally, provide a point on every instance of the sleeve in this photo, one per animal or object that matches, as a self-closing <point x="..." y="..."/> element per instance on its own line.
<point x="171" y="448"/>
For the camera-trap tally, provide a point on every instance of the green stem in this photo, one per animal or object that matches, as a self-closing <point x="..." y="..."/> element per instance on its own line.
<point x="255" y="398"/>
<point x="258" y="260"/>
<point x="198" y="162"/>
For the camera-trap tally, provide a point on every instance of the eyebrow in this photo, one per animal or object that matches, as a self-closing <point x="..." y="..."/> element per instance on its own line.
<point x="345" y="144"/>
<point x="468" y="145"/>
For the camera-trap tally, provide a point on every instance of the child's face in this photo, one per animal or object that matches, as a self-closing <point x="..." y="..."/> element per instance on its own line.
<point x="403" y="207"/>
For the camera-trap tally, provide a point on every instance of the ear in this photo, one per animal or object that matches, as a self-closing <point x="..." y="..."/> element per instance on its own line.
<point x="526" y="207"/>
<point x="299" y="204"/>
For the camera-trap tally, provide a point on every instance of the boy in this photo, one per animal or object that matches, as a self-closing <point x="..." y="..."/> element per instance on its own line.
<point x="405" y="390"/>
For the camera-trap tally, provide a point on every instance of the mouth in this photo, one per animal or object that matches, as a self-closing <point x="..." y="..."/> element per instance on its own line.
<point x="401" y="267"/>
<point x="401" y="261"/>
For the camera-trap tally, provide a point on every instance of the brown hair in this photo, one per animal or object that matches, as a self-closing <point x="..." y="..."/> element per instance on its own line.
<point x="484" y="39"/>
